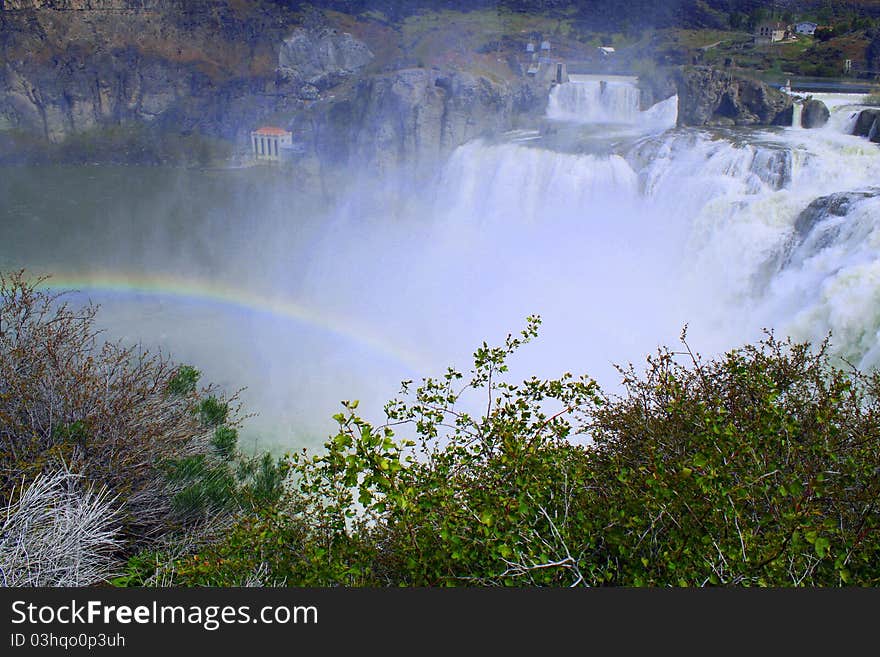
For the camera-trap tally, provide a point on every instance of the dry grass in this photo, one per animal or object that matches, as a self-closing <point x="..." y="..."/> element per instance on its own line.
<point x="58" y="532"/>
<point x="105" y="409"/>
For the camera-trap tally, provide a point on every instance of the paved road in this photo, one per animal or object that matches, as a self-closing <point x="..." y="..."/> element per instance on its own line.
<point x="829" y="85"/>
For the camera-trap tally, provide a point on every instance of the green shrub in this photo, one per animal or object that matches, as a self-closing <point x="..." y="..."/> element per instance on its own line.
<point x="213" y="412"/>
<point x="758" y="467"/>
<point x="225" y="442"/>
<point x="184" y="381"/>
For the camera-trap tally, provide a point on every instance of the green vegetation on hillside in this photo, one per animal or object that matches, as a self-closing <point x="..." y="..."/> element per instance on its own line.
<point x="705" y="32"/>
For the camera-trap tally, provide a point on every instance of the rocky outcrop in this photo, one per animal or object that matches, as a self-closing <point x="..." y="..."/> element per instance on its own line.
<point x="79" y="92"/>
<point x="814" y="114"/>
<point x="868" y="125"/>
<point x="820" y="224"/>
<point x="825" y="207"/>
<point x="655" y="88"/>
<point x="416" y="115"/>
<point x="709" y="96"/>
<point x="320" y="59"/>
<point x="217" y="70"/>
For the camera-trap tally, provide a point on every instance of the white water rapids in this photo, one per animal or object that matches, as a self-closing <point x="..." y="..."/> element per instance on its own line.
<point x="706" y="227"/>
<point x="610" y="99"/>
<point x="620" y="242"/>
<point x="614" y="226"/>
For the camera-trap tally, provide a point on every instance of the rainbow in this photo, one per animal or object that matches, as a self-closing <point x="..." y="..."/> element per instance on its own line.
<point x="176" y="287"/>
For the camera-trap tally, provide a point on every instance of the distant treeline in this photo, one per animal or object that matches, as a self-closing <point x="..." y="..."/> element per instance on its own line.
<point x="601" y="14"/>
<point x="622" y="16"/>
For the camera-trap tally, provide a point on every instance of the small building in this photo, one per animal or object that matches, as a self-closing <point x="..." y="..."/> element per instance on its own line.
<point x="269" y="141"/>
<point x="545" y="45"/>
<point x="771" y="32"/>
<point x="549" y="72"/>
<point x="530" y="47"/>
<point x="806" y="27"/>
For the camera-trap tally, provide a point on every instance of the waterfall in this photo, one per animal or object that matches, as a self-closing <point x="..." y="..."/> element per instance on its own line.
<point x="616" y="243"/>
<point x="595" y="99"/>
<point x="661" y="116"/>
<point x="608" y="99"/>
<point x="712" y="222"/>
<point x="796" y="114"/>
<point x="510" y="184"/>
<point x="750" y="245"/>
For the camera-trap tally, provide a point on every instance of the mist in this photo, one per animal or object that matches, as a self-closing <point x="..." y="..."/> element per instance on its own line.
<point x="306" y="292"/>
<point x="403" y="277"/>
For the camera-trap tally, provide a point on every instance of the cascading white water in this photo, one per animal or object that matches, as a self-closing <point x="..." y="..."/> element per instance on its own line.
<point x="844" y="109"/>
<point x="608" y="99"/>
<point x="512" y="184"/>
<point x="616" y="243"/>
<point x="595" y="99"/>
<point x="661" y="116"/>
<point x="567" y="236"/>
<point x="716" y="216"/>
<point x="830" y="281"/>
<point x="796" y="115"/>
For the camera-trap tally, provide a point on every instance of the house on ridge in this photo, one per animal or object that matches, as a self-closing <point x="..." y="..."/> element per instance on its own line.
<point x="771" y="32"/>
<point x="806" y="27"/>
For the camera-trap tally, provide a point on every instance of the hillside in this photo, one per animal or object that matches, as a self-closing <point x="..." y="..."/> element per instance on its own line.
<point x="166" y="80"/>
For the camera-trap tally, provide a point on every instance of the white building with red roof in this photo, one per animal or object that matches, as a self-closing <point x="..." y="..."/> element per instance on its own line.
<point x="268" y="142"/>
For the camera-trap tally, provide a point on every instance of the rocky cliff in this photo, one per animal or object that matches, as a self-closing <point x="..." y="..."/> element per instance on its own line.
<point x="709" y="96"/>
<point x="155" y="79"/>
<point x="416" y="115"/>
<point x="220" y="69"/>
<point x="815" y="114"/>
<point x="868" y="125"/>
<point x="318" y="59"/>
<point x="75" y="65"/>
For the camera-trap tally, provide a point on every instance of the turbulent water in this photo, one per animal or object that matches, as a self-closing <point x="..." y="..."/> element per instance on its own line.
<point x="616" y="237"/>
<point x="610" y="99"/>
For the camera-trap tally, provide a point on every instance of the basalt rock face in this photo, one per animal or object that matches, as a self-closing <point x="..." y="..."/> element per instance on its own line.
<point x="708" y="97"/>
<point x="815" y="114"/>
<point x="220" y="69"/>
<point x="78" y="93"/>
<point x="70" y="66"/>
<point x="868" y="125"/>
<point x="321" y="58"/>
<point x="417" y="115"/>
